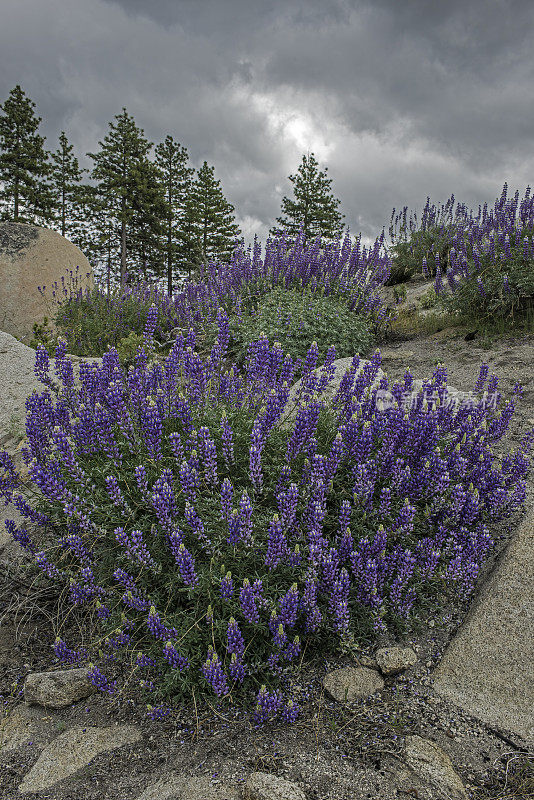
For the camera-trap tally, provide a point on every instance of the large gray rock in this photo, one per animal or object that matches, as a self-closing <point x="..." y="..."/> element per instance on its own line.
<point x="434" y="767"/>
<point x="18" y="381"/>
<point x="351" y="683"/>
<point x="488" y="669"/>
<point x="57" y="689"/>
<point x="263" y="786"/>
<point x="342" y="365"/>
<point x="33" y="257"/>
<point x="73" y="750"/>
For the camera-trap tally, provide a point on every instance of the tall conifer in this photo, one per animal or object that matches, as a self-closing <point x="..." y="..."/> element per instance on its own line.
<point x="175" y="176"/>
<point x="314" y="207"/>
<point x="24" y="193"/>
<point x="211" y="217"/>
<point x="65" y="178"/>
<point x="118" y="170"/>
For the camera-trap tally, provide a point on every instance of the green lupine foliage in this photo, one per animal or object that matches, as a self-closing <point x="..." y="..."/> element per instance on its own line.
<point x="407" y="256"/>
<point x="296" y="317"/>
<point x="501" y="290"/>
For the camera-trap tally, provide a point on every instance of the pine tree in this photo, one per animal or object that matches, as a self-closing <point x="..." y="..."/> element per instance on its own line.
<point x="118" y="170"/>
<point x="65" y="178"/>
<point x="98" y="235"/>
<point x="314" y="207"/>
<point x="25" y="195"/>
<point x="148" y="221"/>
<point x="210" y="217"/>
<point x="175" y="176"/>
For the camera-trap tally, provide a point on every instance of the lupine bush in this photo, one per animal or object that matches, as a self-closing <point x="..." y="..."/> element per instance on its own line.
<point x="415" y="245"/>
<point x="297" y="318"/>
<point x="489" y="275"/>
<point x="92" y="321"/>
<point x="212" y="546"/>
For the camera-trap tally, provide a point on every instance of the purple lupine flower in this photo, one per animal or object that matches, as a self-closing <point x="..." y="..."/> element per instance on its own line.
<point x="186" y="565"/>
<point x="268" y="704"/>
<point x="99" y="680"/>
<point x="234" y="527"/>
<point x="227" y="586"/>
<point x="188" y="481"/>
<point x="209" y="454"/>
<point x="66" y="654"/>
<point x="173" y="657"/>
<point x="245" y="518"/>
<point x="236" y="669"/>
<point x="277" y="549"/>
<point x="150" y="325"/>
<point x="47" y="567"/>
<point x="236" y="643"/>
<point x="135" y="547"/>
<point x="249" y="602"/>
<point x="292" y="650"/>
<point x="289" y="605"/>
<point x="115" y="494"/>
<point x="227" y="495"/>
<point x="227" y="440"/>
<point x="132" y="600"/>
<point x="214" y="674"/>
<point x="157" y="628"/>
<point x="290" y="711"/>
<point x="144" y="662"/>
<point x="176" y="446"/>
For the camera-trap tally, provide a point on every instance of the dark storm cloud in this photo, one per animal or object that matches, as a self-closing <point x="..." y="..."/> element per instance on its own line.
<point x="400" y="99"/>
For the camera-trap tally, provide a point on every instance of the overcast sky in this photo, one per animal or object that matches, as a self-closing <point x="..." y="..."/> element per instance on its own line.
<point x="400" y="99"/>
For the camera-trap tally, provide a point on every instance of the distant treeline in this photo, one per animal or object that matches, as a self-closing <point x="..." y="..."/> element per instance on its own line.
<point x="142" y="211"/>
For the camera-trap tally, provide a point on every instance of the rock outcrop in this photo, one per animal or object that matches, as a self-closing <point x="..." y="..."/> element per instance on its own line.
<point x="33" y="257"/>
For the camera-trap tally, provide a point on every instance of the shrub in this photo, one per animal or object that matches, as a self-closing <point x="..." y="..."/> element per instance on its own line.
<point x="212" y="545"/>
<point x="490" y="274"/>
<point x="296" y="318"/>
<point x="415" y="247"/>
<point x="92" y="321"/>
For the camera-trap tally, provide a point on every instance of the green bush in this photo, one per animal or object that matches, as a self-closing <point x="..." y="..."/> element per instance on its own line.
<point x="92" y="323"/>
<point x="295" y="318"/>
<point x="407" y="255"/>
<point x="499" y="289"/>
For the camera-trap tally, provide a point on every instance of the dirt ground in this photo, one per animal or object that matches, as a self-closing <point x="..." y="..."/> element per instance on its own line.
<point x="333" y="752"/>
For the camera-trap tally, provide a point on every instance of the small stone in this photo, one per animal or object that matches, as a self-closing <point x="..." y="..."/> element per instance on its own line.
<point x="433" y="766"/>
<point x="262" y="786"/>
<point x="392" y="660"/>
<point x="73" y="750"/>
<point x="351" y="683"/>
<point x="57" y="689"/>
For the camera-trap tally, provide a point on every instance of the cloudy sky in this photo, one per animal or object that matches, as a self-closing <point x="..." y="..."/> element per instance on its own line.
<point x="400" y="99"/>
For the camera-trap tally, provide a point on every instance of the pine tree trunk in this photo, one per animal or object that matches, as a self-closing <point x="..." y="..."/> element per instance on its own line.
<point x="169" y="260"/>
<point x="123" y="244"/>
<point x="16" y="198"/>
